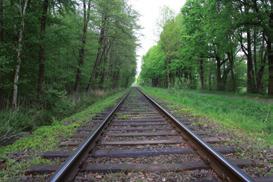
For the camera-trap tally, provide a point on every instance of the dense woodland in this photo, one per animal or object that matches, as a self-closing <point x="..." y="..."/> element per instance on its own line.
<point x="223" y="45"/>
<point x="64" y="45"/>
<point x="51" y="50"/>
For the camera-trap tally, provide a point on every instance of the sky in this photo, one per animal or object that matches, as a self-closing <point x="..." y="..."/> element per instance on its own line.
<point x="150" y="14"/>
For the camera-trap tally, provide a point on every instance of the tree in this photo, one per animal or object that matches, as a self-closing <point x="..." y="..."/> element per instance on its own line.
<point x="116" y="24"/>
<point x="270" y="51"/>
<point x="211" y="41"/>
<point x="45" y="6"/>
<point x="55" y="4"/>
<point x="86" y="19"/>
<point x="1" y="20"/>
<point x="22" y="6"/>
<point x="153" y="68"/>
<point x="170" y="45"/>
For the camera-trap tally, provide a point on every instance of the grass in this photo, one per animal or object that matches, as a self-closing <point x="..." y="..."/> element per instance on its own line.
<point x="251" y="116"/>
<point x="53" y="106"/>
<point x="47" y="138"/>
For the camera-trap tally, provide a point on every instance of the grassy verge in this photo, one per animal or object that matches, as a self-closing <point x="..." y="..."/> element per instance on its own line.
<point x="250" y="116"/>
<point x="47" y="138"/>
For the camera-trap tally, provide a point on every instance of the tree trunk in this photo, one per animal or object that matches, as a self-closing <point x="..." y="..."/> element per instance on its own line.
<point x="101" y="73"/>
<point x="202" y="73"/>
<point x="168" y="73"/>
<point x="270" y="55"/>
<point x="181" y="77"/>
<point x="1" y="40"/>
<point x="99" y="68"/>
<point x="255" y="58"/>
<point x="225" y="77"/>
<point x="154" y="82"/>
<point x="192" y="84"/>
<point x="104" y="74"/>
<point x="19" y="54"/>
<point x="218" y="74"/>
<point x="86" y="18"/>
<point x="270" y="68"/>
<point x="260" y="72"/>
<point x="250" y="68"/>
<point x="104" y="60"/>
<point x="115" y="79"/>
<point x="99" y="55"/>
<point x="260" y="77"/>
<point x="1" y="20"/>
<point x="41" y="74"/>
<point x="231" y="63"/>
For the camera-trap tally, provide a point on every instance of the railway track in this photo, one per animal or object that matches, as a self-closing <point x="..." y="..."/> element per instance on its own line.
<point x="139" y="137"/>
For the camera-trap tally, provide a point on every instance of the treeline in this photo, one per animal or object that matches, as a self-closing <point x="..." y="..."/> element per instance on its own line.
<point x="64" y="46"/>
<point x="218" y="45"/>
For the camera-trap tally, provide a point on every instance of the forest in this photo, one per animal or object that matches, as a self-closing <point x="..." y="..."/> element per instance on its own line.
<point x="56" y="54"/>
<point x="214" y="45"/>
<point x="59" y="56"/>
<point x="136" y="90"/>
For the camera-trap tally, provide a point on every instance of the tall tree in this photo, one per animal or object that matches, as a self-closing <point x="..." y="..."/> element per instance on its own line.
<point x="22" y="6"/>
<point x="41" y="57"/>
<point x="86" y="19"/>
<point x="102" y="40"/>
<point x="55" y="5"/>
<point x="1" y="20"/>
<point x="270" y="52"/>
<point x="116" y="22"/>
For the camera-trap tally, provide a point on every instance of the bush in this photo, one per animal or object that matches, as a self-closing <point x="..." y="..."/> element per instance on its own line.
<point x="12" y="123"/>
<point x="15" y="120"/>
<point x="56" y="104"/>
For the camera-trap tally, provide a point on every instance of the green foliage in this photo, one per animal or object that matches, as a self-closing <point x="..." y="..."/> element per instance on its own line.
<point x="116" y="54"/>
<point x="52" y="43"/>
<point x="249" y="115"/>
<point x="153" y="67"/>
<point x="207" y="46"/>
<point x="62" y="41"/>
<point x="57" y="103"/>
<point x="12" y="121"/>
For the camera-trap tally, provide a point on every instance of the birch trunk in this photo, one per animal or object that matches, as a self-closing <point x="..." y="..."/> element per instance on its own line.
<point x="22" y="9"/>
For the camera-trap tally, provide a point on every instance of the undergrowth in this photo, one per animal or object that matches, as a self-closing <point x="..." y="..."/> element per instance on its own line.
<point x="54" y="105"/>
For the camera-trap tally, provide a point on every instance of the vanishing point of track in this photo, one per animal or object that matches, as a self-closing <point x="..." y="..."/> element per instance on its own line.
<point x="140" y="135"/>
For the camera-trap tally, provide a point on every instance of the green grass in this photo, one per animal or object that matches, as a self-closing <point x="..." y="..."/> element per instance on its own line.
<point x="47" y="138"/>
<point x="251" y="116"/>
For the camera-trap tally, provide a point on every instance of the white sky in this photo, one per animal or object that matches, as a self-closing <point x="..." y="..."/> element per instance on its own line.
<point x="149" y="11"/>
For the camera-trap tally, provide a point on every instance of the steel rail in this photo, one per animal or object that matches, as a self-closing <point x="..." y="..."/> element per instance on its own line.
<point x="70" y="167"/>
<point x="224" y="169"/>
